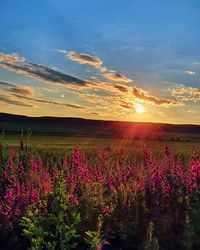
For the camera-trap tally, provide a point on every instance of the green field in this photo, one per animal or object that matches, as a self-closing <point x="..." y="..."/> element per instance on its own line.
<point x="63" y="143"/>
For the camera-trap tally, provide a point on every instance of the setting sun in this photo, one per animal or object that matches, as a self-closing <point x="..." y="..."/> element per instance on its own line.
<point x="139" y="108"/>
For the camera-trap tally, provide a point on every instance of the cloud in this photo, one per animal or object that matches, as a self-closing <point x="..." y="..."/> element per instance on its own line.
<point x="11" y="58"/>
<point x="113" y="96"/>
<point x="13" y="93"/>
<point x="186" y="90"/>
<point x="83" y="58"/>
<point x="44" y="73"/>
<point x="68" y="105"/>
<point x="124" y="96"/>
<point x="116" y="77"/>
<point x="110" y="88"/>
<point x="9" y="90"/>
<point x="54" y="77"/>
<point x="9" y="100"/>
<point x="145" y="96"/>
<point x="17" y="89"/>
<point x="21" y="90"/>
<point x="5" y="84"/>
<point x="190" y="72"/>
<point x="127" y="105"/>
<point x="96" y="62"/>
<point x="186" y="94"/>
<point x="121" y="88"/>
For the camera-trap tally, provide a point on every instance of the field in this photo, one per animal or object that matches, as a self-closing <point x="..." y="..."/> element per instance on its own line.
<point x="64" y="143"/>
<point x="104" y="194"/>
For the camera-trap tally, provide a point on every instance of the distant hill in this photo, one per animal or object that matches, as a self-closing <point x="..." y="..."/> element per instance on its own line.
<point x="98" y="128"/>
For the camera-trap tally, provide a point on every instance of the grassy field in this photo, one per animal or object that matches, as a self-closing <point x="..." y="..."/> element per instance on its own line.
<point x="63" y="143"/>
<point x="54" y="197"/>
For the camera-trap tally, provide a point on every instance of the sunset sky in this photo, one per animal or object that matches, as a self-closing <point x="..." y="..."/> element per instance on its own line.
<point x="133" y="60"/>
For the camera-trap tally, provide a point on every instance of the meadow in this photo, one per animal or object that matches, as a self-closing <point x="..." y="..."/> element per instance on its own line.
<point x="62" y="143"/>
<point x="118" y="195"/>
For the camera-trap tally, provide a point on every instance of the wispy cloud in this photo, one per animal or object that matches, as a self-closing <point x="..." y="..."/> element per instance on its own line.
<point x="186" y="94"/>
<point x="83" y="58"/>
<point x="116" y="77"/>
<point x="96" y="62"/>
<point x="10" y="90"/>
<point x="5" y="84"/>
<point x="44" y="73"/>
<point x="21" y="90"/>
<point x="125" y="97"/>
<point x="189" y="72"/>
<point x="25" y="96"/>
<point x="11" y="58"/>
<point x="9" y="100"/>
<point x="121" y="88"/>
<point x="109" y="96"/>
<point x="145" y="96"/>
<point x="68" y="105"/>
<point x="127" y="105"/>
<point x="17" y="89"/>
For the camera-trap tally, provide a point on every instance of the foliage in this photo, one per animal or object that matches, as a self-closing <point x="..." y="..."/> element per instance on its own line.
<point x="55" y="229"/>
<point x="33" y="230"/>
<point x="144" y="201"/>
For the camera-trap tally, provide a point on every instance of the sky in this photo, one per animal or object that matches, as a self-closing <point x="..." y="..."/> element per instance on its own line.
<point x="131" y="60"/>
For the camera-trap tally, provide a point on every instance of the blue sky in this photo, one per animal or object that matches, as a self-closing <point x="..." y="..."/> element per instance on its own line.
<point x="150" y="48"/>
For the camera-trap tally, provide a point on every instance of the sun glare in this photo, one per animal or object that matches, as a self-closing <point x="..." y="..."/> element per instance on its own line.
<point x="139" y="108"/>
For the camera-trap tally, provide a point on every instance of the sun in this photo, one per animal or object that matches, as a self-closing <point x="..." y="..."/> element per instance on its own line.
<point x="139" y="108"/>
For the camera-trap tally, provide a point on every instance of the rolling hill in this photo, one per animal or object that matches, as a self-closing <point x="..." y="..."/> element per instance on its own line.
<point x="98" y="128"/>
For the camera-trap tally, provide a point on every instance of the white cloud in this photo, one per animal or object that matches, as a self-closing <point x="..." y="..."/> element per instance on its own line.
<point x="189" y="72"/>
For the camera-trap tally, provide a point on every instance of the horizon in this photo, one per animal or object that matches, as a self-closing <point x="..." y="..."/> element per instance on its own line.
<point x="132" y="61"/>
<point x="83" y="118"/>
